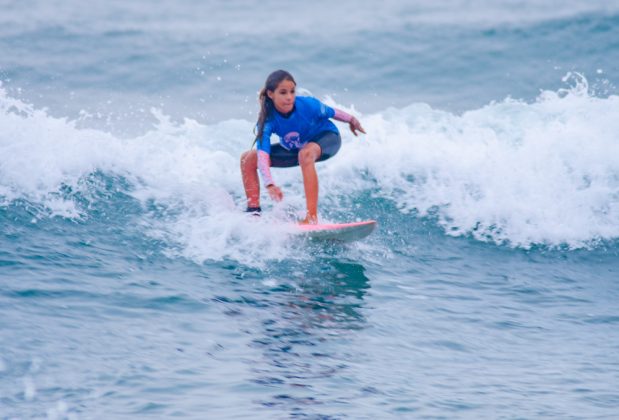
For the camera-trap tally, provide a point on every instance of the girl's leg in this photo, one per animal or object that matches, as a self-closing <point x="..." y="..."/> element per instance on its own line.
<point x="307" y="159"/>
<point x="251" y="182"/>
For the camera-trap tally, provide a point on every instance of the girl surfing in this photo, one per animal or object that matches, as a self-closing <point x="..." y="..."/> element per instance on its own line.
<point x="306" y="136"/>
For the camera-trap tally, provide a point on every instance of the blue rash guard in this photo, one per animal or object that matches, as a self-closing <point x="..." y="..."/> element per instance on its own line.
<point x="308" y="119"/>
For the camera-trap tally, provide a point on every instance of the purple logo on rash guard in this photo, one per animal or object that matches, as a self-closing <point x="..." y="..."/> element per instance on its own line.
<point x="293" y="140"/>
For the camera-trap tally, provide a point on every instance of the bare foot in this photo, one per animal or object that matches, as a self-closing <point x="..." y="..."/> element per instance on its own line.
<point x="309" y="220"/>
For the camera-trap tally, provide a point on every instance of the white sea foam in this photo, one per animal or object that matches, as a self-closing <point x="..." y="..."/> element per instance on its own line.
<point x="511" y="172"/>
<point x="190" y="169"/>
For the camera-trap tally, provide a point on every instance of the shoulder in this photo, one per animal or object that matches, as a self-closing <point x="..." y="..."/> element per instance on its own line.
<point x="314" y="106"/>
<point x="311" y="104"/>
<point x="267" y="128"/>
<point x="308" y="101"/>
<point x="270" y="118"/>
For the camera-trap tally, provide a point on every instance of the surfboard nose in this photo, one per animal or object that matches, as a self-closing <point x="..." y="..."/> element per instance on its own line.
<point x="343" y="232"/>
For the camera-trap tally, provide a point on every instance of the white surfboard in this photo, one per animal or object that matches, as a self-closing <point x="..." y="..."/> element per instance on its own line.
<point x="343" y="232"/>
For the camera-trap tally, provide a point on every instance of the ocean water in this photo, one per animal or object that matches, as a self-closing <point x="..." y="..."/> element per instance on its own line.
<point x="133" y="286"/>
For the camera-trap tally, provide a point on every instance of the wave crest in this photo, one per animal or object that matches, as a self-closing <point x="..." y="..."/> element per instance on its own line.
<point x="511" y="172"/>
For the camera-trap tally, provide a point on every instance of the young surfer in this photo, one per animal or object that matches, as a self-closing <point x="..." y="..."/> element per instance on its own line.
<point x="306" y="136"/>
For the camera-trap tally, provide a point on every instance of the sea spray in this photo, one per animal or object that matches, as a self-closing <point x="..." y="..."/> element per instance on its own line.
<point x="511" y="172"/>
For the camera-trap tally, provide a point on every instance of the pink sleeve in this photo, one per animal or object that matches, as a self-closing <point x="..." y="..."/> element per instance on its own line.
<point x="264" y="166"/>
<point x="342" y="116"/>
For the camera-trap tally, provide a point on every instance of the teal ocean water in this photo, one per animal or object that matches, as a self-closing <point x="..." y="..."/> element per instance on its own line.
<point x="132" y="285"/>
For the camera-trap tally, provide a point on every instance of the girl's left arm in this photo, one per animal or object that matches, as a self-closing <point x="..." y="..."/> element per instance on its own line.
<point x="354" y="123"/>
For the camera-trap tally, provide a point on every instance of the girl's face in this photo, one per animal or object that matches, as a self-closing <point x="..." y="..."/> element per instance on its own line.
<point x="283" y="96"/>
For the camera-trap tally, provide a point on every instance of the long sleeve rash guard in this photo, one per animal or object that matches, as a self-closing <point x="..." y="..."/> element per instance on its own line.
<point x="309" y="118"/>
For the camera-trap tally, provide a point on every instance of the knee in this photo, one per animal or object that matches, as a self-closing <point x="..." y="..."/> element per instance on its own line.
<point x="307" y="156"/>
<point x="249" y="158"/>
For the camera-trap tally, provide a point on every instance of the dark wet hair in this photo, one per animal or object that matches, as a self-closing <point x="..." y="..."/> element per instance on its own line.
<point x="266" y="104"/>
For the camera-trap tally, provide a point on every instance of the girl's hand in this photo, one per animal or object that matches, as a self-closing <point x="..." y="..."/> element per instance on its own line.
<point x="355" y="126"/>
<point x="275" y="193"/>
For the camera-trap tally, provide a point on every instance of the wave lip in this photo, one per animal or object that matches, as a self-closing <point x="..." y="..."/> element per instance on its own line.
<point x="516" y="173"/>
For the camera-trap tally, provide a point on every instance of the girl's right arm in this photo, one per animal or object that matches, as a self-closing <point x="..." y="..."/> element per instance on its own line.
<point x="264" y="165"/>
<point x="264" y="154"/>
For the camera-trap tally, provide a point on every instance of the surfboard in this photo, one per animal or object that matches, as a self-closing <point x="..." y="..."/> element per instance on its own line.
<point x="342" y="232"/>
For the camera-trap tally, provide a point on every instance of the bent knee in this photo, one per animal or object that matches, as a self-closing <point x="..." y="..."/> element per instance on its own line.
<point x="249" y="157"/>
<point x="309" y="155"/>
